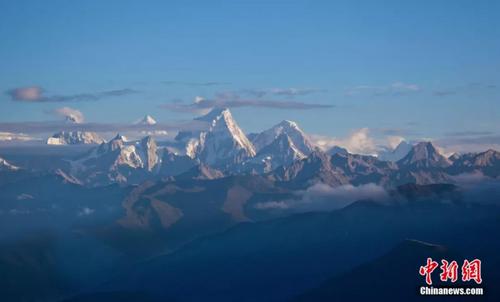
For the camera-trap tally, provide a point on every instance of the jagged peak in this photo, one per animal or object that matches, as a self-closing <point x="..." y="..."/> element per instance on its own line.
<point x="74" y="137"/>
<point x="289" y="124"/>
<point x="424" y="148"/>
<point x="148" y="142"/>
<point x="318" y="154"/>
<point x="215" y="114"/>
<point x="403" y="144"/>
<point x="491" y="152"/>
<point x="282" y="142"/>
<point x="119" y="137"/>
<point x="338" y="150"/>
<point x="425" y="152"/>
<point x="116" y="143"/>
<point x="298" y="137"/>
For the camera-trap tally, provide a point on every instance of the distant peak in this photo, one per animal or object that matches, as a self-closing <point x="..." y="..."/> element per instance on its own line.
<point x="403" y="144"/>
<point x="146" y="120"/>
<point x="72" y="119"/>
<point x="214" y="114"/>
<point x="425" y="147"/>
<point x="491" y="151"/>
<point x="338" y="150"/>
<point x="119" y="137"/>
<point x="424" y="153"/>
<point x="424" y="144"/>
<point x="288" y="123"/>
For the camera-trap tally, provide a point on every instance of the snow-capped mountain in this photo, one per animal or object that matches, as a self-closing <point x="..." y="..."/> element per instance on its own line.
<point x="280" y="152"/>
<point x="289" y="128"/>
<point x="147" y="120"/>
<point x="222" y="144"/>
<point x="6" y="166"/>
<point x="398" y="153"/>
<point x="283" y="154"/>
<point x="74" y="138"/>
<point x="118" y="161"/>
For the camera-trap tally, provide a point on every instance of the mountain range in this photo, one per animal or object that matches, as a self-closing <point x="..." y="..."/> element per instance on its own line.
<point x="217" y="215"/>
<point x="282" y="153"/>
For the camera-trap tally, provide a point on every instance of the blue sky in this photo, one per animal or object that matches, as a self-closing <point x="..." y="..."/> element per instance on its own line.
<point x="422" y="69"/>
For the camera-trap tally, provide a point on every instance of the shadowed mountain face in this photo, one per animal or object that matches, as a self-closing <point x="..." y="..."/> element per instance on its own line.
<point x="31" y="267"/>
<point x="391" y="277"/>
<point x="303" y="251"/>
<point x="488" y="163"/>
<point x="219" y="234"/>
<point x="317" y="167"/>
<point x="424" y="156"/>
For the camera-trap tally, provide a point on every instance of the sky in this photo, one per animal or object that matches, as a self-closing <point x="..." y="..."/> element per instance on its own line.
<point x="340" y="69"/>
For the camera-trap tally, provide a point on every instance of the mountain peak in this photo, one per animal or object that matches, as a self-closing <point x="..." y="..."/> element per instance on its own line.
<point x="119" y="137"/>
<point x="221" y="143"/>
<point x="291" y="129"/>
<point x="148" y="151"/>
<point x="72" y="119"/>
<point x="288" y="123"/>
<point x="216" y="114"/>
<point x="486" y="158"/>
<point x="148" y="140"/>
<point x="74" y="138"/>
<point x="337" y="150"/>
<point x="281" y="151"/>
<point x="146" y="120"/>
<point x="116" y="143"/>
<point x="401" y="150"/>
<point x="425" y="149"/>
<point x="424" y="155"/>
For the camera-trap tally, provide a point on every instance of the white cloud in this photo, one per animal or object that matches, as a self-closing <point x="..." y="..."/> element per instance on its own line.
<point x="10" y="136"/>
<point x="358" y="141"/>
<point x="33" y="94"/>
<point x="394" y="141"/>
<point x="321" y="197"/>
<point x="472" y="143"/>
<point x="70" y="114"/>
<point x="26" y="94"/>
<point x="344" y="194"/>
<point x="202" y="105"/>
